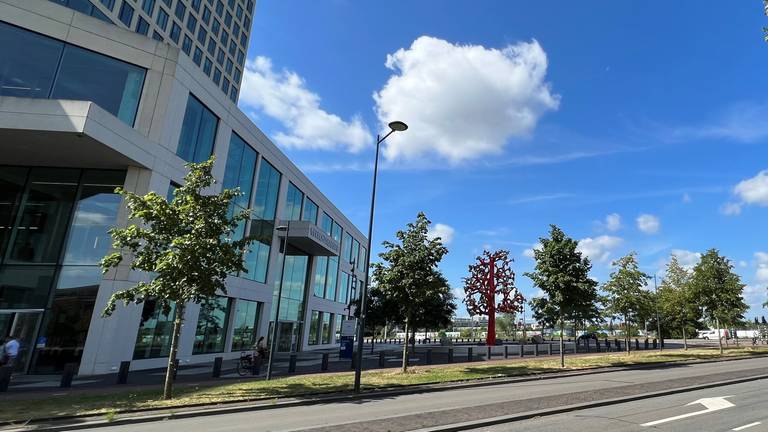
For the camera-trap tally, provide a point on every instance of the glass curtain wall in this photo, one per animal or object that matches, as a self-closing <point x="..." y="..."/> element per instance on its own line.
<point x="36" y="66"/>
<point x="155" y="331"/>
<point x="198" y="132"/>
<point x="239" y="173"/>
<point x="211" y="333"/>
<point x="245" y="324"/>
<point x="262" y="225"/>
<point x="309" y="213"/>
<point x="293" y="203"/>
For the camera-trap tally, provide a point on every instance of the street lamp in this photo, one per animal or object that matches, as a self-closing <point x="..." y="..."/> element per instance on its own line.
<point x="395" y="126"/>
<point x="273" y="342"/>
<point x="658" y="322"/>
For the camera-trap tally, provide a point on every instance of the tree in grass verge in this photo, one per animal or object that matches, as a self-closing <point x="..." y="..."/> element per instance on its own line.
<point x="676" y="304"/>
<point x="718" y="291"/>
<point x="408" y="273"/>
<point x="186" y="246"/>
<point x="563" y="275"/>
<point x="625" y="295"/>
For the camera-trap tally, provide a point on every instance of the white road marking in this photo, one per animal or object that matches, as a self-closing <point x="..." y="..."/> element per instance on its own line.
<point x="746" y="426"/>
<point x="711" y="404"/>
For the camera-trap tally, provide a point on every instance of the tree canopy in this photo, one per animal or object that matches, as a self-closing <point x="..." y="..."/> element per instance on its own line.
<point x="625" y="296"/>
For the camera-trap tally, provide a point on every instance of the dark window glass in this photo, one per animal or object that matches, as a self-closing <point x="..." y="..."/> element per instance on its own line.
<point x="157" y="36"/>
<point x="217" y="75"/>
<point x="198" y="132"/>
<point x="142" y="27"/>
<point x="202" y="35"/>
<point x="244" y="39"/>
<point x="126" y="13"/>
<point x="186" y="46"/>
<point x="336" y="232"/>
<point x="220" y="57"/>
<point x="39" y="234"/>
<point x="293" y="202"/>
<point x="236" y="75"/>
<point x="207" y="66"/>
<point x="211" y="326"/>
<point x="162" y="19"/>
<point x="148" y="6"/>
<point x="240" y="170"/>
<point x="232" y="47"/>
<point x="361" y="260"/>
<point x="344" y="280"/>
<point x="97" y="13"/>
<point x="219" y="8"/>
<point x="198" y="57"/>
<point x="233" y="93"/>
<point x="110" y="4"/>
<point x="239" y="12"/>
<point x="175" y="32"/>
<point x="250" y="6"/>
<point x="326" y="223"/>
<point x="246" y="25"/>
<point x="310" y="211"/>
<point x="240" y="57"/>
<point x="211" y="46"/>
<point x="294" y="281"/>
<point x="12" y="180"/>
<point x="346" y="246"/>
<point x="168" y="2"/>
<point x="262" y="225"/>
<point x="206" y="15"/>
<point x="228" y="19"/>
<point x="228" y="67"/>
<point x="224" y="38"/>
<point x="155" y="331"/>
<point x="29" y="62"/>
<point x="191" y="23"/>
<point x="314" y="327"/>
<point x="331" y="278"/>
<point x="196" y="5"/>
<point x="25" y="287"/>
<point x="96" y="212"/>
<point x="231" y="3"/>
<point x="245" y="325"/>
<point x="65" y="326"/>
<point x="112" y="84"/>
<point x="236" y="31"/>
<point x="355" y="252"/>
<point x="326" y="331"/>
<point x="180" y="11"/>
<point x="225" y="85"/>
<point x="215" y="27"/>
<point x="321" y="270"/>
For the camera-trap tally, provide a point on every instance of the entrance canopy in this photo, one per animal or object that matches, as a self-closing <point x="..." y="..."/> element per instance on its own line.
<point x="310" y="238"/>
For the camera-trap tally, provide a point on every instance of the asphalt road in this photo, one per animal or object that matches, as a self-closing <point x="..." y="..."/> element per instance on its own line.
<point x="746" y="408"/>
<point x="410" y="412"/>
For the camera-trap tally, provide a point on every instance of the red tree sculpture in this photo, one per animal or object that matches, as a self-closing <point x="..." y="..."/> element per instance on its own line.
<point x="492" y="276"/>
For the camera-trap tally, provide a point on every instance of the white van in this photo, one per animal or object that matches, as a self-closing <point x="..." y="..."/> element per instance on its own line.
<point x="711" y="334"/>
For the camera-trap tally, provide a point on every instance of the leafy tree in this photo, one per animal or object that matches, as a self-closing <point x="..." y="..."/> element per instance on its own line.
<point x="408" y="274"/>
<point x="563" y="275"/>
<point x="186" y="246"/>
<point x="507" y="323"/>
<point x="763" y="321"/>
<point x="676" y="304"/>
<point x="626" y="297"/>
<point x="718" y="290"/>
<point x="436" y="308"/>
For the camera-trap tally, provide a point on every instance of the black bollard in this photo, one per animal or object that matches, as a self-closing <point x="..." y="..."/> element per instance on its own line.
<point x="450" y="355"/>
<point x="382" y="359"/>
<point x="292" y="363"/>
<point x="122" y="373"/>
<point x="618" y="344"/>
<point x="549" y="349"/>
<point x="506" y="351"/>
<point x="637" y="345"/>
<point x="607" y="345"/>
<point x="597" y="345"/>
<point x="324" y="362"/>
<point x="655" y="344"/>
<point x="487" y="353"/>
<point x="536" y="350"/>
<point x="67" y="375"/>
<point x="646" y="343"/>
<point x="429" y="356"/>
<point x="521" y="351"/>
<point x="469" y="354"/>
<point x="217" y="367"/>
<point x="5" y="377"/>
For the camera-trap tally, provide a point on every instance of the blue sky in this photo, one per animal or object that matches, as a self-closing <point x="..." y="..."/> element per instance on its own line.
<point x="632" y="125"/>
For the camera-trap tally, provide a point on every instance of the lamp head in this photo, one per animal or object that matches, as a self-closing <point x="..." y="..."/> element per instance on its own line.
<point x="398" y="126"/>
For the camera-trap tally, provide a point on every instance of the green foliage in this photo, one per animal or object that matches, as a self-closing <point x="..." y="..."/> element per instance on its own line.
<point x="625" y="295"/>
<point x="506" y="324"/>
<point x="185" y="245"/>
<point x="717" y="289"/>
<point x="677" y="305"/>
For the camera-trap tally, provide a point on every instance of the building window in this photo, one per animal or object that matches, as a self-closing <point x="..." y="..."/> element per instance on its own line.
<point x="109" y="4"/>
<point x="148" y="6"/>
<point x="239" y="12"/>
<point x="344" y="281"/>
<point x="196" y="5"/>
<point x="262" y="221"/>
<point x="321" y="271"/>
<point x="157" y="36"/>
<point x="197" y="58"/>
<point x="202" y="35"/>
<point x="175" y="32"/>
<point x="155" y="331"/>
<point x="353" y="257"/>
<point x="346" y="246"/>
<point x="142" y="26"/>
<point x="228" y="67"/>
<point x="239" y="173"/>
<point x="240" y="57"/>
<point x="310" y="211"/>
<point x="207" y="66"/>
<point x="186" y="46"/>
<point x="339" y="323"/>
<point x="180" y="11"/>
<point x="215" y="27"/>
<point x="245" y="325"/>
<point x="220" y="57"/>
<point x="225" y="85"/>
<point x="216" y="76"/>
<point x="233" y="93"/>
<point x="219" y="7"/>
<point x="126" y="14"/>
<point x="326" y="223"/>
<point x="314" y="327"/>
<point x="198" y="132"/>
<point x="228" y="19"/>
<point x="162" y="19"/>
<point x="361" y="260"/>
<point x="232" y="47"/>
<point x="293" y="203"/>
<point x="327" y="320"/>
<point x="191" y="23"/>
<point x="236" y="75"/>
<point x="331" y="278"/>
<point x="211" y="331"/>
<point x="206" y="15"/>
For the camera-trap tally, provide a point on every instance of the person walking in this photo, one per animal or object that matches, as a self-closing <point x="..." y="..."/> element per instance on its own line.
<point x="10" y="351"/>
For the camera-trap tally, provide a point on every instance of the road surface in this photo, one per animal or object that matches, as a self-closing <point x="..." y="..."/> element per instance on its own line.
<point x="424" y="410"/>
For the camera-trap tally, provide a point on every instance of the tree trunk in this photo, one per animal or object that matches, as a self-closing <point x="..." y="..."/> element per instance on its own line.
<point x="171" y="370"/>
<point x="626" y="333"/>
<point x="562" y="344"/>
<point x="412" y="339"/>
<point x="685" y="340"/>
<point x="405" y="347"/>
<point x="719" y="335"/>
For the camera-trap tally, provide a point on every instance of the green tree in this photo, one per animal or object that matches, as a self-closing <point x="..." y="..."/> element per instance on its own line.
<point x="676" y="304"/>
<point x="435" y="309"/>
<point x="626" y="297"/>
<point x="409" y="271"/>
<point x="718" y="291"/>
<point x="186" y="246"/>
<point x="506" y="324"/>
<point x="563" y="275"/>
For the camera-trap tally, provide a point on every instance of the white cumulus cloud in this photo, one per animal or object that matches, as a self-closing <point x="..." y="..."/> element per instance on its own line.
<point x="529" y="252"/>
<point x="612" y="222"/>
<point x="754" y="190"/>
<point x="648" y="223"/>
<point x="445" y="232"/>
<point x="686" y="258"/>
<point x="463" y="101"/>
<point x="284" y="96"/>
<point x="761" y="264"/>
<point x="599" y="249"/>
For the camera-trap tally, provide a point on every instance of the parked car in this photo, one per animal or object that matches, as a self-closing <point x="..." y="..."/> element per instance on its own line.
<point x="586" y="337"/>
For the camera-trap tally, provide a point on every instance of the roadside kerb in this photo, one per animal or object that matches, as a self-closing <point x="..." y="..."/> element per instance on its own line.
<point x="267" y="403"/>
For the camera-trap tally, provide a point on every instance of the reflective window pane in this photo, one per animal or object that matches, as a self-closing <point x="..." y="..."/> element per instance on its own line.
<point x="265" y="201"/>
<point x="212" y="326"/>
<point x="29" y="62"/>
<point x="12" y="180"/>
<point x="310" y="211"/>
<point x="321" y="270"/>
<point x="293" y="203"/>
<point x="198" y="132"/>
<point x="326" y="333"/>
<point x="155" y="331"/>
<point x="331" y="278"/>
<point x="245" y="325"/>
<point x="25" y="287"/>
<point x="314" y="327"/>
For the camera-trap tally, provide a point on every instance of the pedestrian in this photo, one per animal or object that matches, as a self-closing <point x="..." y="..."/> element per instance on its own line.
<point x="10" y="351"/>
<point x="261" y="348"/>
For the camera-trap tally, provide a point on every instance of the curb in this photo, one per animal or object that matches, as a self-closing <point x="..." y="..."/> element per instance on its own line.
<point x="576" y="407"/>
<point x="222" y="408"/>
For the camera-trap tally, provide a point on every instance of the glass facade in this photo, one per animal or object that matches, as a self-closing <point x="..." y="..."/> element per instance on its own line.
<point x="262" y="225"/>
<point x="211" y="333"/>
<point x="245" y="324"/>
<point x="326" y="330"/>
<point x="198" y="132"/>
<point x="314" y="327"/>
<point x="239" y="173"/>
<point x="293" y="203"/>
<point x="86" y="7"/>
<point x="331" y="278"/>
<point x="321" y="271"/>
<point x="310" y="211"/>
<point x="346" y="247"/>
<point x="155" y="331"/>
<point x="37" y="66"/>
<point x="344" y="281"/>
<point x="53" y="232"/>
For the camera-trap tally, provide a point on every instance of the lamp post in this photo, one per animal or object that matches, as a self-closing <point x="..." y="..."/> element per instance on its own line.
<point x="273" y="342"/>
<point x="658" y="322"/>
<point x="395" y="126"/>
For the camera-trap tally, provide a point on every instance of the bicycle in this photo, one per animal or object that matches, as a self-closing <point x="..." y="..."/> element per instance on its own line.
<point x="248" y="364"/>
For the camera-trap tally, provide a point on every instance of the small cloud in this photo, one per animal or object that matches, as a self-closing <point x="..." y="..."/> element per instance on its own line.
<point x="445" y="232"/>
<point x="612" y="222"/>
<point x="687" y="198"/>
<point x="686" y="258"/>
<point x="731" y="209"/>
<point x="761" y="267"/>
<point x="648" y="223"/>
<point x="599" y="249"/>
<point x="537" y="198"/>
<point x="529" y="252"/>
<point x="743" y="264"/>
